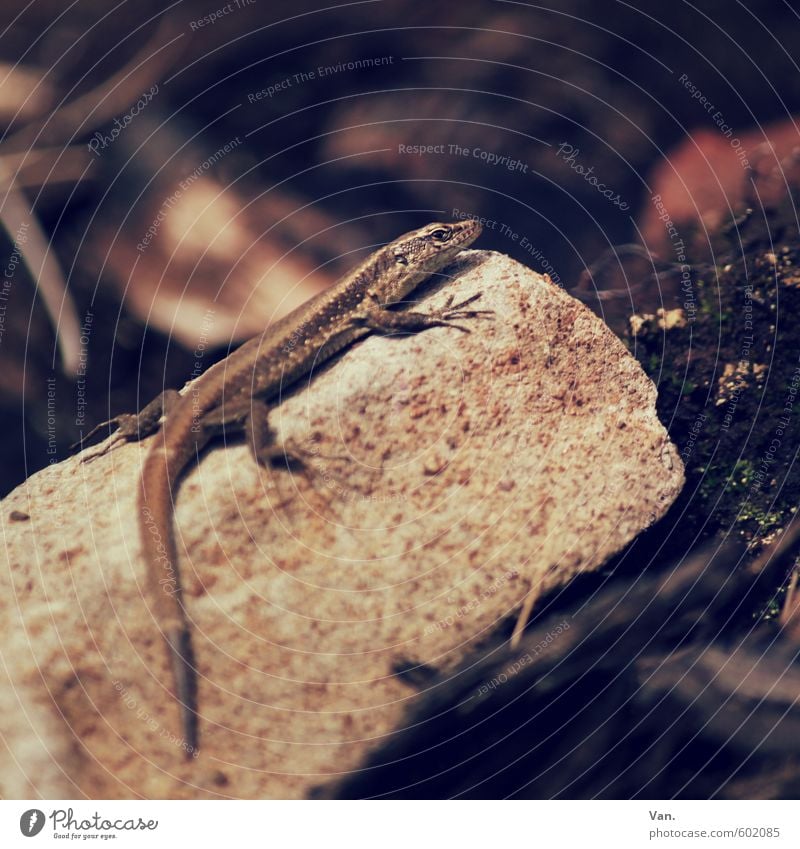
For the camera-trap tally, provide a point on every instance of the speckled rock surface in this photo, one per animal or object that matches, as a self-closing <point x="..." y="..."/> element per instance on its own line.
<point x="455" y="472"/>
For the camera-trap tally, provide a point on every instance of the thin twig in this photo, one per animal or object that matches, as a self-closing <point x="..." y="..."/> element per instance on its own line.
<point x="102" y="103"/>
<point x="41" y="262"/>
<point x="47" y="165"/>
<point x="60" y="127"/>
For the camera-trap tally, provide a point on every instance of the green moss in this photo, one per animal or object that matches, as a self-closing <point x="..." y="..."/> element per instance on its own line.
<point x="729" y="393"/>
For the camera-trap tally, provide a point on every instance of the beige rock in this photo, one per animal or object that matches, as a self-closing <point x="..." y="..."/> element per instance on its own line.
<point x="455" y="473"/>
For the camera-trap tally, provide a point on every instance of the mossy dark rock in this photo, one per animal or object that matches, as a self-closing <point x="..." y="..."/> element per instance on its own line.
<point x="727" y="366"/>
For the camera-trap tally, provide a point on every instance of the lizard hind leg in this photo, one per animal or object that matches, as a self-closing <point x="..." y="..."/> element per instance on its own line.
<point x="249" y="416"/>
<point x="131" y="427"/>
<point x="291" y="455"/>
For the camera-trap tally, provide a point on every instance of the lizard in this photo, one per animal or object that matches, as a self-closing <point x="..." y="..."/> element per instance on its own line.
<point x="233" y="395"/>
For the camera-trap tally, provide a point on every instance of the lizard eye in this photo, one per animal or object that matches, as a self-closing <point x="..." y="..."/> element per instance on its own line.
<point x="441" y="235"/>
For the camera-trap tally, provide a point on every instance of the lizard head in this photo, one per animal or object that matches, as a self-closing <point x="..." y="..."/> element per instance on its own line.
<point x="423" y="252"/>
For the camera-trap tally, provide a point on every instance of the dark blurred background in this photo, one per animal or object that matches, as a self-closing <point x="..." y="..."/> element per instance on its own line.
<point x="197" y="170"/>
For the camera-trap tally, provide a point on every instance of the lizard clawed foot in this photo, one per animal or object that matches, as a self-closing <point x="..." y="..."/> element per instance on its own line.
<point x="376" y="317"/>
<point x="131" y="426"/>
<point x="118" y="436"/>
<point x="450" y="312"/>
<point x="113" y="441"/>
<point x="333" y="485"/>
<point x="96" y="429"/>
<point x="295" y="456"/>
<point x="336" y="484"/>
<point x="299" y="459"/>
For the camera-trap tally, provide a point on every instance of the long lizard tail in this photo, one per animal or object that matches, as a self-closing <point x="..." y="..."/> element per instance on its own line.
<point x="184" y="679"/>
<point x="161" y="468"/>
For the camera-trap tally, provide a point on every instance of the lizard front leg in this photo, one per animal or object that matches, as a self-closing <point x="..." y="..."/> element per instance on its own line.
<point x="132" y="427"/>
<point x="377" y="316"/>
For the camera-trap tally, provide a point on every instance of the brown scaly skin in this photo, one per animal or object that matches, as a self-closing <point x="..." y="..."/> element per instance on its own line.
<point x="233" y="394"/>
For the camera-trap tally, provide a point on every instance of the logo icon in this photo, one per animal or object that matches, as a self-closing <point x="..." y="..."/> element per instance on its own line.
<point x="31" y="822"/>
